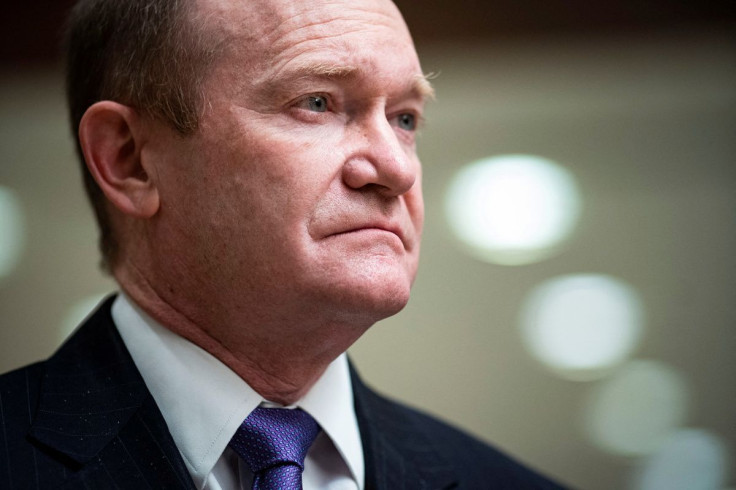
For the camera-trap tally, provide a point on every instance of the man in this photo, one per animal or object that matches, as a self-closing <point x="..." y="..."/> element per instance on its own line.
<point x="253" y="170"/>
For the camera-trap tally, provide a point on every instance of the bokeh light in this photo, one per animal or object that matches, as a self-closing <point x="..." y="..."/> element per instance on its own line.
<point x="690" y="459"/>
<point x="637" y="409"/>
<point x="513" y="209"/>
<point x="581" y="326"/>
<point x="78" y="312"/>
<point x="12" y="231"/>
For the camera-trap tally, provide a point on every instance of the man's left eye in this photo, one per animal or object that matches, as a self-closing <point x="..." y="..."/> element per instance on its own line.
<point x="407" y="122"/>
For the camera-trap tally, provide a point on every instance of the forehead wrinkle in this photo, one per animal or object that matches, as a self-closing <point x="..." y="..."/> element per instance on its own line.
<point x="307" y="26"/>
<point x="294" y="23"/>
<point x="297" y="46"/>
<point x="281" y="33"/>
<point x="301" y="60"/>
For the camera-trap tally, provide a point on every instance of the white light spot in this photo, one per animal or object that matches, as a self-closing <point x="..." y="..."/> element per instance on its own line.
<point x="580" y="326"/>
<point x="689" y="459"/>
<point x="12" y="231"/>
<point x="78" y="312"/>
<point x="635" y="411"/>
<point x="513" y="209"/>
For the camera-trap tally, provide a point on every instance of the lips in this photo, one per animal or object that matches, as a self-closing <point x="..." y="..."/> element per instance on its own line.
<point x="378" y="225"/>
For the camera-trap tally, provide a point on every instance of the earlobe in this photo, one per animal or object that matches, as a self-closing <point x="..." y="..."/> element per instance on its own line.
<point x="111" y="138"/>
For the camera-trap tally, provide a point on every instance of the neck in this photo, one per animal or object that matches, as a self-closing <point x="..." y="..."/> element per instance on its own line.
<point x="277" y="352"/>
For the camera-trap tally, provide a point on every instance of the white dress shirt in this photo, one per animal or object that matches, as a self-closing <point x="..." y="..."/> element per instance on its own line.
<point x="204" y="403"/>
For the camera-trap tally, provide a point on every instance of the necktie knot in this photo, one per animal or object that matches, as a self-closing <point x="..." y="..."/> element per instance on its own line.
<point x="274" y="442"/>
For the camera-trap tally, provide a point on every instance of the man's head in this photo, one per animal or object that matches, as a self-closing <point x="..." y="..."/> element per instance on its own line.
<point x="297" y="192"/>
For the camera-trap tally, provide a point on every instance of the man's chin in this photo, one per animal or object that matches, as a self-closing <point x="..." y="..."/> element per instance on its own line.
<point x="387" y="303"/>
<point x="361" y="286"/>
<point x="369" y="309"/>
<point x="370" y="301"/>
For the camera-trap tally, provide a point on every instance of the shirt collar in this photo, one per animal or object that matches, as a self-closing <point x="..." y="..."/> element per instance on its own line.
<point x="204" y="402"/>
<point x="330" y="402"/>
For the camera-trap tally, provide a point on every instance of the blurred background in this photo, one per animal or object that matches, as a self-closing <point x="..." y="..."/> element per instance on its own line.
<point x="575" y="304"/>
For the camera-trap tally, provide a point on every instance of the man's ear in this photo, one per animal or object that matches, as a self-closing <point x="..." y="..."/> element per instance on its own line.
<point x="111" y="137"/>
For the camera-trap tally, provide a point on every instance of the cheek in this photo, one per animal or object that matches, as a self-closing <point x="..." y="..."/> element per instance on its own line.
<point x="416" y="212"/>
<point x="415" y="201"/>
<point x="284" y="147"/>
<point x="271" y="192"/>
<point x="293" y="174"/>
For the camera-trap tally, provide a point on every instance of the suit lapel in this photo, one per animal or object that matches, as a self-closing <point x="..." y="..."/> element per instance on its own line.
<point x="397" y="453"/>
<point x="142" y="455"/>
<point x="96" y="413"/>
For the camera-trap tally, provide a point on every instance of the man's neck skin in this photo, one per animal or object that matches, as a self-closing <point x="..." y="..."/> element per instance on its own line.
<point x="280" y="355"/>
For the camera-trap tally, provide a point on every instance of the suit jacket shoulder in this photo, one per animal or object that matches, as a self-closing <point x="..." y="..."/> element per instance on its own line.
<point x="84" y="419"/>
<point x="412" y="450"/>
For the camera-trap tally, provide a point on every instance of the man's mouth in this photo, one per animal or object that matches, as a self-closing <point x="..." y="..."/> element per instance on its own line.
<point x="377" y="226"/>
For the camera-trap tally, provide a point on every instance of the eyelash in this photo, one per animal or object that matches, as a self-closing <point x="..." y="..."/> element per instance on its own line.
<point x="302" y="101"/>
<point x="306" y="99"/>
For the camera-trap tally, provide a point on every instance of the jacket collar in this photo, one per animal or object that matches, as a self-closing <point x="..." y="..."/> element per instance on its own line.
<point x="398" y="452"/>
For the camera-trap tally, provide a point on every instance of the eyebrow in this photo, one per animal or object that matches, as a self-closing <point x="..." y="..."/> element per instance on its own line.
<point x="419" y="86"/>
<point x="423" y="87"/>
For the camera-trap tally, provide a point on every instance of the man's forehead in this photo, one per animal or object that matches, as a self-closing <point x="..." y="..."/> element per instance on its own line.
<point x="284" y="40"/>
<point x="259" y="17"/>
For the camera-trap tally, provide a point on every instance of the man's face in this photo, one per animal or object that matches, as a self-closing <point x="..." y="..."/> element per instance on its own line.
<point x="302" y="184"/>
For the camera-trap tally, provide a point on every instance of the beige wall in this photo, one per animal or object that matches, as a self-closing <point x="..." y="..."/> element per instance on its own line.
<point x="646" y="125"/>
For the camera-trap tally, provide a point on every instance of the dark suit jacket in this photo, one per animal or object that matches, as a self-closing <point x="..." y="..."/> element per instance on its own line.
<point x="85" y="419"/>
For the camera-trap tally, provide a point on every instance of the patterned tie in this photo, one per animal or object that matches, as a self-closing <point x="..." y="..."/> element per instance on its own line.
<point x="273" y="442"/>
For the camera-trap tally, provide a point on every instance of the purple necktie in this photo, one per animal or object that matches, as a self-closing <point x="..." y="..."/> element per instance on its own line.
<point x="273" y="442"/>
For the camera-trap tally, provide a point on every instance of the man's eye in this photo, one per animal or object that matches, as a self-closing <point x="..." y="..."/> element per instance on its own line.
<point x="315" y="103"/>
<point x="407" y="122"/>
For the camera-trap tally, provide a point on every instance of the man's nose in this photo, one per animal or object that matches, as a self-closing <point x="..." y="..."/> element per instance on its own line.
<point x="380" y="159"/>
